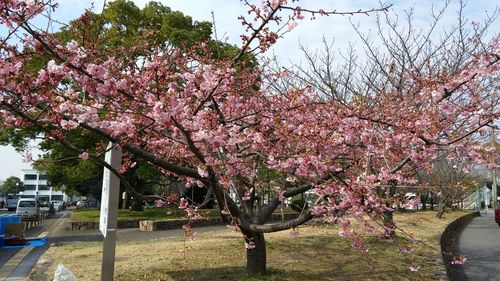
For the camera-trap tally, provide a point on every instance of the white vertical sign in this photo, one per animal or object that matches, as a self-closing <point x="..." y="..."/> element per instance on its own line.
<point x="109" y="211"/>
<point x="110" y="190"/>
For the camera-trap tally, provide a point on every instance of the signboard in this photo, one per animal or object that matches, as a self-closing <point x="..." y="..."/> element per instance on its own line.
<point x="110" y="191"/>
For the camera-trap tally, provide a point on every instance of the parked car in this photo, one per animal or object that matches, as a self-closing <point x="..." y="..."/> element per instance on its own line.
<point x="44" y="206"/>
<point x="57" y="205"/>
<point x="81" y="204"/>
<point x="28" y="207"/>
<point x="497" y="216"/>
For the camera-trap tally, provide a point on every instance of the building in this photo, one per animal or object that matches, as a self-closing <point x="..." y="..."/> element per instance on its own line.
<point x="36" y="185"/>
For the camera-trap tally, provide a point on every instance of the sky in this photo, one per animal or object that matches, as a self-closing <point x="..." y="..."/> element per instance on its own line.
<point x="308" y="33"/>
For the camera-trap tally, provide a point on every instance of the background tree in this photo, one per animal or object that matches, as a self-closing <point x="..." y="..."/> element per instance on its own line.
<point x="121" y="26"/>
<point x="401" y="62"/>
<point x="449" y="181"/>
<point x="12" y="185"/>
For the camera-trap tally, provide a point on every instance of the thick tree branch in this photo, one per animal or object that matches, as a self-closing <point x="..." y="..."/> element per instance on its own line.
<point x="153" y="159"/>
<point x="266" y="228"/>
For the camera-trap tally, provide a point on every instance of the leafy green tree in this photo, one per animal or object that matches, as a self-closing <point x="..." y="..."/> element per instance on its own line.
<point x="12" y="185"/>
<point x="121" y="25"/>
<point x="66" y="169"/>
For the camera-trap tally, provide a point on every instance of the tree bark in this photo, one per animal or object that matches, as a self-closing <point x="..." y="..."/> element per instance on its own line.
<point x="423" y="200"/>
<point x="136" y="204"/>
<point x="388" y="216"/>
<point x="388" y="219"/>
<point x="256" y="257"/>
<point x="441" y="209"/>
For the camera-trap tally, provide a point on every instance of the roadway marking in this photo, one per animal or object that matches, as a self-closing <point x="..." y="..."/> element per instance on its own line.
<point x="11" y="264"/>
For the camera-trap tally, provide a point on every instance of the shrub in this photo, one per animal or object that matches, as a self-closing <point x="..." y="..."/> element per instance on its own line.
<point x="298" y="204"/>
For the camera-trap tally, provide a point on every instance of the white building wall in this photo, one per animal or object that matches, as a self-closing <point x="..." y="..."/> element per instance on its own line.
<point x="37" y="185"/>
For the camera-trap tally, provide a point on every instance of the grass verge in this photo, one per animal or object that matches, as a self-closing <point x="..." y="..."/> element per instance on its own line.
<point x="155" y="214"/>
<point x="317" y="254"/>
<point x="86" y="215"/>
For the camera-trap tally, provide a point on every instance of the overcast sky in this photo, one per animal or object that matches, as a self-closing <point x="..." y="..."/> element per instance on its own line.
<point x="308" y="33"/>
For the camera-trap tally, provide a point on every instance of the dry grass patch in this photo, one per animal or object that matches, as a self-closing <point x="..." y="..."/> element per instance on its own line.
<point x="317" y="254"/>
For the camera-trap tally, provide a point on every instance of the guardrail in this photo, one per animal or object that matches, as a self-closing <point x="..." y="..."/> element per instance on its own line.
<point x="32" y="221"/>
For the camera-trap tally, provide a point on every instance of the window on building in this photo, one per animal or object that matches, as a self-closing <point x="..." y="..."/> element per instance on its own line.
<point x="30" y="177"/>
<point x="57" y="197"/>
<point x="43" y="187"/>
<point x="43" y="177"/>
<point x="29" y="187"/>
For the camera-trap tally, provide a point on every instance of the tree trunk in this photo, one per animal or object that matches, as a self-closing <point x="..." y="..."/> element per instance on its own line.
<point x="136" y="204"/>
<point x="441" y="209"/>
<point x="256" y="257"/>
<point x="388" y="220"/>
<point x="388" y="216"/>
<point x="423" y="200"/>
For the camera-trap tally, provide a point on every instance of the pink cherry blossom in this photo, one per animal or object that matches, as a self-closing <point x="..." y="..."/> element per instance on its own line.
<point x="459" y="260"/>
<point x="249" y="245"/>
<point x="28" y="158"/>
<point x="84" y="156"/>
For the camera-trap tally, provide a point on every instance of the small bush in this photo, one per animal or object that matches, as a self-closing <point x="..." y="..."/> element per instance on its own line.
<point x="298" y="204"/>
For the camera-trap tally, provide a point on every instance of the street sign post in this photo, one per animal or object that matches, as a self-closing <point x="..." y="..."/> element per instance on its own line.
<point x="109" y="211"/>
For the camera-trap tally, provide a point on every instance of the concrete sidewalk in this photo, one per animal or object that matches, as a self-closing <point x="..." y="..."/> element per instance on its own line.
<point x="479" y="242"/>
<point x="16" y="263"/>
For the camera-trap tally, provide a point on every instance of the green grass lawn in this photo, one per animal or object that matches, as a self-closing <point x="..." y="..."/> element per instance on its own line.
<point x="86" y="215"/>
<point x="318" y="253"/>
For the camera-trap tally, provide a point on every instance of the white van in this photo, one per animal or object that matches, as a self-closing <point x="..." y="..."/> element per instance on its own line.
<point x="28" y="207"/>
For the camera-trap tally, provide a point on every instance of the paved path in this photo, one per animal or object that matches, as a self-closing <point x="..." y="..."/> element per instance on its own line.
<point x="16" y="264"/>
<point x="480" y="242"/>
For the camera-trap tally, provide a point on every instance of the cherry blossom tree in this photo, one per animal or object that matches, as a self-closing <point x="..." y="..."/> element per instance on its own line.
<point x="217" y="122"/>
<point x="449" y="182"/>
<point x="394" y="67"/>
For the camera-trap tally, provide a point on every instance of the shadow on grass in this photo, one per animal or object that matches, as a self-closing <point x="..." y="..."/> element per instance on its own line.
<point x="337" y="272"/>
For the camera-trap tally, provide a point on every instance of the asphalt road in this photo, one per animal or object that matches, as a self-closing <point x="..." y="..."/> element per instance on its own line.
<point x="480" y="243"/>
